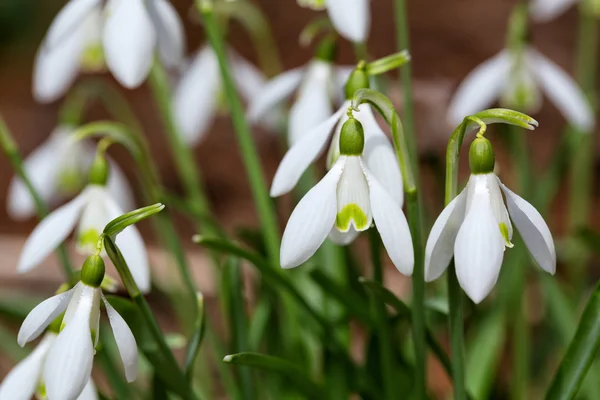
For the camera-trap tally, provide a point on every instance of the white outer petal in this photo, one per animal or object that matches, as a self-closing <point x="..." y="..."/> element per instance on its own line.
<point x="563" y="91"/>
<point x="169" y="30"/>
<point x="50" y="232"/>
<point x="125" y="341"/>
<point x="129" y="39"/>
<point x="533" y="230"/>
<point x="343" y="238"/>
<point x="302" y="154"/>
<point x="480" y="88"/>
<point x="42" y="315"/>
<point x="312" y="219"/>
<point x="351" y="18"/>
<point x="274" y="92"/>
<point x="94" y="216"/>
<point x="479" y="247"/>
<point x="195" y="96"/>
<point x="22" y="381"/>
<point x="89" y="391"/>
<point x="119" y="188"/>
<point x="69" y="363"/>
<point x="68" y="20"/>
<point x="545" y="10"/>
<point x="392" y="226"/>
<point x="440" y="243"/>
<point x="248" y="78"/>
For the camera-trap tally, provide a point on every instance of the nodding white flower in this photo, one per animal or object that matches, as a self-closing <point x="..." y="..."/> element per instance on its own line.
<point x="68" y="364"/>
<point x="346" y="201"/>
<point x="545" y="10"/>
<point x="516" y="79"/>
<point x="91" y="210"/>
<point x="58" y="169"/>
<point x="475" y="228"/>
<point x="197" y="96"/>
<point x="25" y="379"/>
<point x="123" y="33"/>
<point x="351" y="18"/>
<point x="317" y="85"/>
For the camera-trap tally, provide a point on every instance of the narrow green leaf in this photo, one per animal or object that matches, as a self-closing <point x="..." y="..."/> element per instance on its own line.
<point x="294" y="374"/>
<point x="195" y="341"/>
<point x="119" y="224"/>
<point x="388" y="63"/>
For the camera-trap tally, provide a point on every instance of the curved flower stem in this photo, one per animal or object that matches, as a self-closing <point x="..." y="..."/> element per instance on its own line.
<point x="386" y="109"/>
<point x="264" y="205"/>
<point x="12" y="153"/>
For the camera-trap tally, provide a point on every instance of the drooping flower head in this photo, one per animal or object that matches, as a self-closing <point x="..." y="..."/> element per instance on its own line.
<point x="125" y="34"/>
<point x="476" y="227"/>
<point x="68" y="362"/>
<point x="351" y="18"/>
<point x="546" y="10"/>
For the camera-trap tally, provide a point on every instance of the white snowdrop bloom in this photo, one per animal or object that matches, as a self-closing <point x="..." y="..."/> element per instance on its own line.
<point x="516" y="79"/>
<point x="25" y="379"/>
<point x="475" y="228"/>
<point x="58" y="169"/>
<point x="91" y="210"/>
<point x="198" y="94"/>
<point x="351" y="18"/>
<point x="123" y="33"/>
<point x="347" y="201"/>
<point x="545" y="10"/>
<point x="68" y="363"/>
<point x="317" y="85"/>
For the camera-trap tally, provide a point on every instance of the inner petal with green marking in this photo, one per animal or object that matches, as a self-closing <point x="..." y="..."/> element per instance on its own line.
<point x="353" y="204"/>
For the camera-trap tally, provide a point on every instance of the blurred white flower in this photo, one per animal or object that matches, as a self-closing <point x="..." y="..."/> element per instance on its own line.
<point x="198" y="93"/>
<point x="317" y="85"/>
<point x="351" y="18"/>
<point x="475" y="229"/>
<point x="69" y="360"/>
<point x="123" y="33"/>
<point x="25" y="379"/>
<point x="58" y="169"/>
<point x="516" y="80"/>
<point x="345" y="202"/>
<point x="545" y="10"/>
<point x="92" y="209"/>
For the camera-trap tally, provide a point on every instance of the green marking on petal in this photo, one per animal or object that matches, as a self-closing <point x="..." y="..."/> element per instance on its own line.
<point x="41" y="390"/>
<point x="504" y="231"/>
<point x="351" y="212"/>
<point x="94" y="333"/>
<point x="88" y="238"/>
<point x="70" y="181"/>
<point x="92" y="59"/>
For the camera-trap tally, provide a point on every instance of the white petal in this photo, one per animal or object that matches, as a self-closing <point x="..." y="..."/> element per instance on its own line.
<point x="545" y="10"/>
<point x="353" y="203"/>
<point x="440" y="243"/>
<point x="313" y="104"/>
<point x="119" y="188"/>
<point x="533" y="230"/>
<point x="125" y="341"/>
<point x="248" y="79"/>
<point x="379" y="155"/>
<point x="89" y="392"/>
<point x="479" y="247"/>
<point x="480" y="88"/>
<point x="343" y="238"/>
<point x="195" y="96"/>
<point x="563" y="91"/>
<point x="392" y="226"/>
<point x="42" y="315"/>
<point x="170" y="33"/>
<point x="342" y="74"/>
<point x="351" y="18"/>
<point x="94" y="217"/>
<point x="129" y="39"/>
<point x="68" y="20"/>
<point x="302" y="154"/>
<point x="50" y="232"/>
<point x="69" y="362"/>
<point x="498" y="207"/>
<point x="311" y="220"/>
<point x="274" y="92"/>
<point x="22" y="381"/>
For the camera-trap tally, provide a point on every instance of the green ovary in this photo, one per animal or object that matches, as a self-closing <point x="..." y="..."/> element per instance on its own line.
<point x="351" y="212"/>
<point x="504" y="232"/>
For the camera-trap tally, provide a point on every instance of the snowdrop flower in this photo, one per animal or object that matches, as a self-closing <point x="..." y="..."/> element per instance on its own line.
<point x="346" y="201"/>
<point x="91" y="210"/>
<point x="545" y="10"/>
<point x="69" y="360"/>
<point x="351" y="18"/>
<point x="58" y="169"/>
<point x="123" y="33"/>
<point x="25" y="379"/>
<point x="516" y="79"/>
<point x="317" y="85"/>
<point x="475" y="228"/>
<point x="197" y="95"/>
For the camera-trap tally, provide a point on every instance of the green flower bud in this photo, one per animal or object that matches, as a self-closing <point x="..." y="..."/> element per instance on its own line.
<point x="359" y="79"/>
<point x="326" y="49"/>
<point x="481" y="156"/>
<point x="99" y="170"/>
<point x="92" y="272"/>
<point x="352" y="138"/>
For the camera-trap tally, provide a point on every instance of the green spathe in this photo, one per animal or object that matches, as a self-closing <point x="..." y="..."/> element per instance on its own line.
<point x="92" y="272"/>
<point x="481" y="156"/>
<point x="352" y="138"/>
